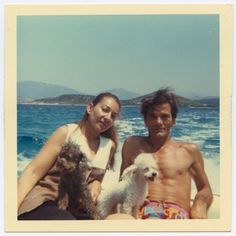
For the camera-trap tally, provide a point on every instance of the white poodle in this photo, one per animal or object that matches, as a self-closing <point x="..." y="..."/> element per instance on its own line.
<point x="127" y="195"/>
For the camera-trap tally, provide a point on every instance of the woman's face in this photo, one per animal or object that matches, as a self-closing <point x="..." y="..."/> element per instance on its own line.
<point x="103" y="114"/>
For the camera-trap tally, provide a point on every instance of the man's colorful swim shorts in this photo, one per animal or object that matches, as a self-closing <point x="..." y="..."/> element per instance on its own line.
<point x="162" y="210"/>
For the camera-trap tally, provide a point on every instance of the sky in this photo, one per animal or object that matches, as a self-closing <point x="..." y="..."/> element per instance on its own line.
<point x="139" y="53"/>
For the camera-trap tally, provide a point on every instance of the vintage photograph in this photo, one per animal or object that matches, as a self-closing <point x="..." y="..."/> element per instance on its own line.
<point x="118" y="116"/>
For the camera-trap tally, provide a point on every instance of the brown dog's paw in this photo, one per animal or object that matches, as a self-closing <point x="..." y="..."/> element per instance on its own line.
<point x="63" y="203"/>
<point x="97" y="217"/>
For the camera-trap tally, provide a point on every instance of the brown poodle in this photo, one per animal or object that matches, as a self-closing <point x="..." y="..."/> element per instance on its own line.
<point x="74" y="195"/>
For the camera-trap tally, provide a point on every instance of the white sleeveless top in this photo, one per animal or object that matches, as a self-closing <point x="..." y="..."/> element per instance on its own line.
<point x="101" y="158"/>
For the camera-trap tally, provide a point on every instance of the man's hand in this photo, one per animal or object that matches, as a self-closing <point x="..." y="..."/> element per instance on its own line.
<point x="95" y="189"/>
<point x="198" y="210"/>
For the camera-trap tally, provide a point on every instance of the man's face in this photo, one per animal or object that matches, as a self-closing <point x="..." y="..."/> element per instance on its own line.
<point x="159" y="120"/>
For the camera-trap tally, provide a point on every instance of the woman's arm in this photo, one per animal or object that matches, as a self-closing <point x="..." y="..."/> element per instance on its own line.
<point x="128" y="153"/>
<point x="41" y="164"/>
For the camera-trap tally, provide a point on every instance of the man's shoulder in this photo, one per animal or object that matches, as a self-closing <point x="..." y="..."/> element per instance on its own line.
<point x="134" y="139"/>
<point x="134" y="144"/>
<point x="188" y="146"/>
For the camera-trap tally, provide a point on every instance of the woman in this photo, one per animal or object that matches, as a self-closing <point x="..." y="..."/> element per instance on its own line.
<point x="96" y="135"/>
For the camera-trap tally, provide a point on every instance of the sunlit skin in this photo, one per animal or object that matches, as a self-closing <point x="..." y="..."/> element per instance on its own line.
<point x="101" y="118"/>
<point x="159" y="122"/>
<point x="177" y="163"/>
<point x="103" y="115"/>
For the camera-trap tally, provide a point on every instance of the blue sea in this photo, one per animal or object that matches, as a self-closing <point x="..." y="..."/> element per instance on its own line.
<point x="198" y="125"/>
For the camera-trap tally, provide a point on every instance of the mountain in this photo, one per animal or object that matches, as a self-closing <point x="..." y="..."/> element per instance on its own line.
<point x="182" y="101"/>
<point x="123" y="94"/>
<point x="28" y="90"/>
<point x="76" y="99"/>
<point x="67" y="99"/>
<point x="210" y="101"/>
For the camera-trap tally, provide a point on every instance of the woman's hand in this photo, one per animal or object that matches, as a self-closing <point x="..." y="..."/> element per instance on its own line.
<point x="95" y="189"/>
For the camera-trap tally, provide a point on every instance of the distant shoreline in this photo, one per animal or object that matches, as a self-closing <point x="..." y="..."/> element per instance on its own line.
<point x="61" y="104"/>
<point x="71" y="104"/>
<point x="49" y="104"/>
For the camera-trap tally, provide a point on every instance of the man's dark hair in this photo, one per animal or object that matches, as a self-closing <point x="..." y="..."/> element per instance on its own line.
<point x="157" y="98"/>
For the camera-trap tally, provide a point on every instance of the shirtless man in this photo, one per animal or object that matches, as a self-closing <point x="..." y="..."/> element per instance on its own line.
<point x="169" y="195"/>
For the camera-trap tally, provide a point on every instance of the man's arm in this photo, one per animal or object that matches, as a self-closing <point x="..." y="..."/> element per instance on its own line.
<point x="127" y="153"/>
<point x="204" y="197"/>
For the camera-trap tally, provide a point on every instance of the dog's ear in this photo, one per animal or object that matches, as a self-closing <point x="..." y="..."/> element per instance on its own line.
<point x="128" y="172"/>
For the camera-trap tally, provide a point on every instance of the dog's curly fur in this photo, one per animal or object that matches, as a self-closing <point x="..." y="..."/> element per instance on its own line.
<point x="74" y="195"/>
<point x="127" y="195"/>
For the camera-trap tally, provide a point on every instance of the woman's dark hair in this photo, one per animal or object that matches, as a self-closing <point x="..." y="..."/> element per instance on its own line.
<point x="111" y="132"/>
<point x="159" y="97"/>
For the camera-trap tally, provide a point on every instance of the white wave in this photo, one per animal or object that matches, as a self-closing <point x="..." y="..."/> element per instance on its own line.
<point x="211" y="146"/>
<point x="200" y="138"/>
<point x="212" y="170"/>
<point x="186" y="138"/>
<point x="22" y="163"/>
<point x="126" y="126"/>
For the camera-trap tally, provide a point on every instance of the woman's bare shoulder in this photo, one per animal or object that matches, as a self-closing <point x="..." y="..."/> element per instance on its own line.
<point x="59" y="135"/>
<point x="62" y="130"/>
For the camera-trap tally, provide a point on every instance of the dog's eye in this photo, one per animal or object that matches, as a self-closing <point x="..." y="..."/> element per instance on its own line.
<point x="146" y="169"/>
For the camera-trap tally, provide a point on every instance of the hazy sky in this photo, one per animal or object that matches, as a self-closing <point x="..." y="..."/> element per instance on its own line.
<point x="139" y="53"/>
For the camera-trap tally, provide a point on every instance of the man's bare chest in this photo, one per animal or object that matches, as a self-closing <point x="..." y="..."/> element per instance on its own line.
<point x="171" y="164"/>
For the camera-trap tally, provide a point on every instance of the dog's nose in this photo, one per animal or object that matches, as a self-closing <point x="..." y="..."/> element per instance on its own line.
<point x="154" y="174"/>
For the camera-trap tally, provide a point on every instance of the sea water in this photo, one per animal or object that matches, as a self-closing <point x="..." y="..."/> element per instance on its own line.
<point x="35" y="123"/>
